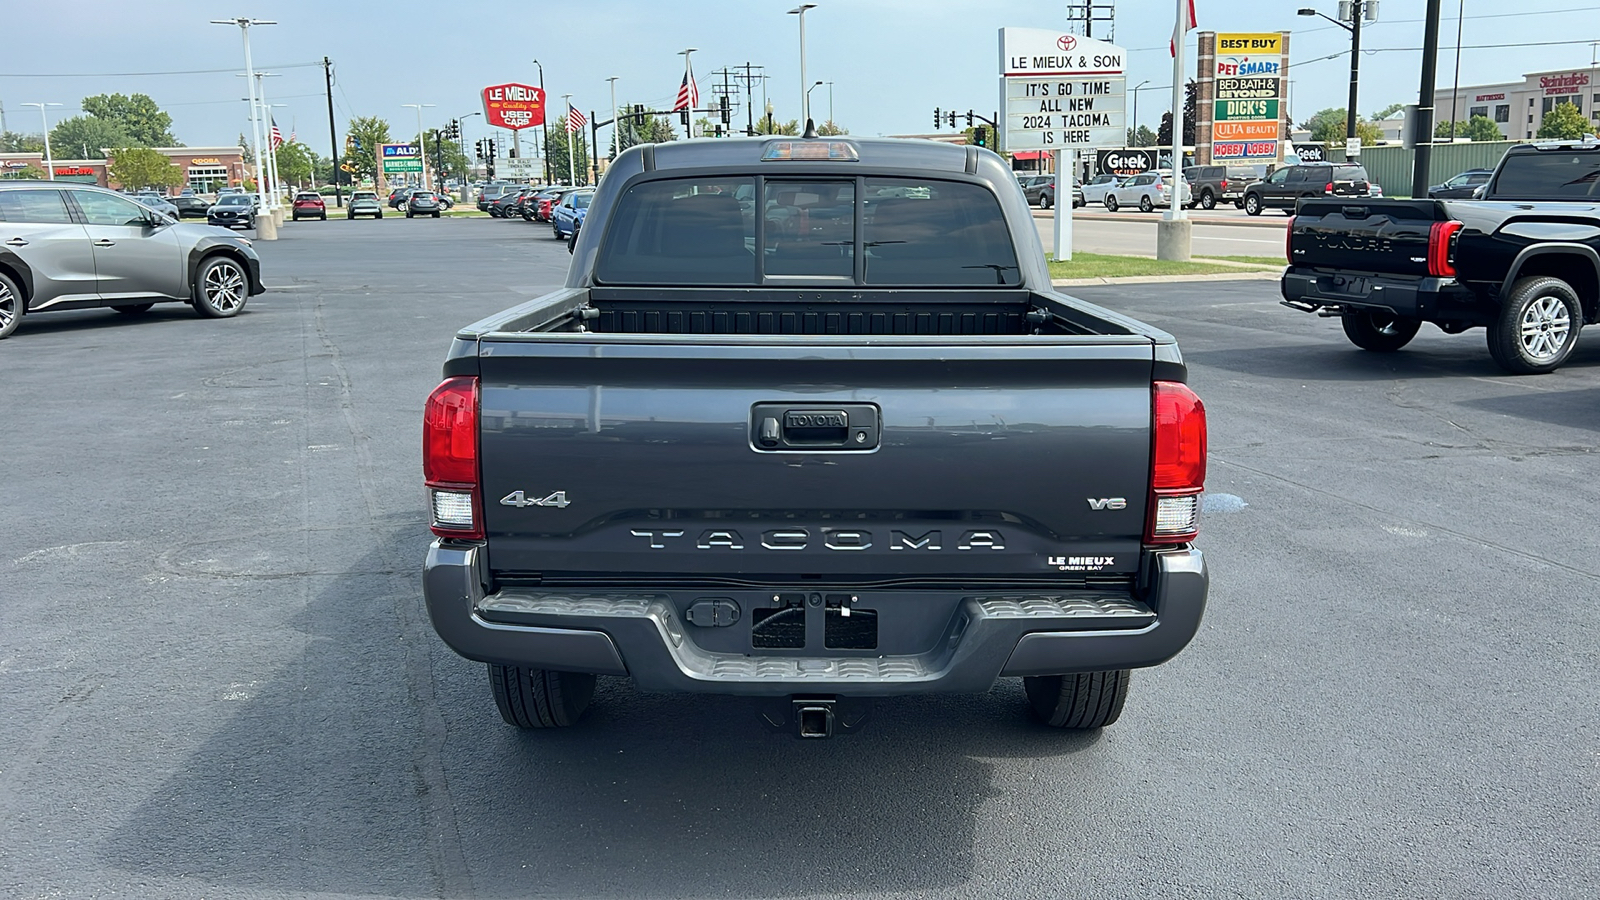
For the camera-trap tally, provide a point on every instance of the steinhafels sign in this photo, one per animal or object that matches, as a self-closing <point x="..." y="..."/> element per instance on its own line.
<point x="1564" y="84"/>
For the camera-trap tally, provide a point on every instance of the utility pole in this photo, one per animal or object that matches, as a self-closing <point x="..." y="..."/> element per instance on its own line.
<point x="1355" y="71"/>
<point x="333" y="133"/>
<point x="1423" y="154"/>
<point x="749" y="79"/>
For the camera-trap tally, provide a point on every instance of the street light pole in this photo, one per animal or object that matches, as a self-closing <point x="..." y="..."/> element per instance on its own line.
<point x="250" y="80"/>
<point x="1354" y="27"/>
<point x="1135" y="141"/>
<point x="616" y="141"/>
<point x="544" y="124"/>
<point x="49" y="158"/>
<point x="422" y="140"/>
<point x="274" y="187"/>
<point x="813" y="87"/>
<point x="805" y="93"/>
<point x="830" y="103"/>
<point x="1455" y="91"/>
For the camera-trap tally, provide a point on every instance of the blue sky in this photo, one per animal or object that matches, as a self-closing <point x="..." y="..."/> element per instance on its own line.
<point x="890" y="61"/>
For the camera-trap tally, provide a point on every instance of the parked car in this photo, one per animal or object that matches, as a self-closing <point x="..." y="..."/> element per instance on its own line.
<point x="81" y="247"/>
<point x="158" y="203"/>
<point x="1147" y="191"/>
<point x="1522" y="261"/>
<point x="423" y="203"/>
<point x="1211" y="185"/>
<point x="564" y="215"/>
<point x="1288" y="185"/>
<point x="507" y="205"/>
<point x="1460" y="186"/>
<point x="1033" y="189"/>
<point x="233" y="211"/>
<point x="189" y="206"/>
<point x="750" y="514"/>
<point x="364" y="203"/>
<point x="547" y="198"/>
<point x="398" y="196"/>
<point x="308" y="205"/>
<point x="1096" y="188"/>
<point x="491" y="192"/>
<point x="1078" y="200"/>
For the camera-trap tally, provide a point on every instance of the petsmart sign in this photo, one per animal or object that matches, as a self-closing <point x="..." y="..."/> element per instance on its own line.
<point x="1061" y="91"/>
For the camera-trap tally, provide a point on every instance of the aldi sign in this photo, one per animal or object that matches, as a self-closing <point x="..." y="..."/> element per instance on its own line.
<point x="513" y="106"/>
<point x="400" y="159"/>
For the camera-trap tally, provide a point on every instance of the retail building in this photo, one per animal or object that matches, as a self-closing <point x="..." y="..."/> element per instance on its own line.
<point x="1517" y="107"/>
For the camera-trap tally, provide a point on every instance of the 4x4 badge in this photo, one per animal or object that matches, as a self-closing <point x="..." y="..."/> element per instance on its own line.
<point x="520" y="500"/>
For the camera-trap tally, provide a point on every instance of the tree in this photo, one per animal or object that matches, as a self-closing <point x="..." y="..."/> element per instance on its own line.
<point x="361" y="145"/>
<point x="12" y="142"/>
<point x="1329" y="125"/>
<point x="1190" y="100"/>
<point x="294" y="163"/>
<point x="643" y="130"/>
<point x="1387" y="111"/>
<point x="555" y="150"/>
<point x="85" y="137"/>
<point x="137" y="115"/>
<point x="829" y="129"/>
<point x="1563" y="122"/>
<point x="772" y="126"/>
<point x="1369" y="132"/>
<point x="1477" y="128"/>
<point x="1141" y="137"/>
<point x="141" y="167"/>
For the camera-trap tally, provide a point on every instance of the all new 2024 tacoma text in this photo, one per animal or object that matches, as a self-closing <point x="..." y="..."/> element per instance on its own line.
<point x="808" y="423"/>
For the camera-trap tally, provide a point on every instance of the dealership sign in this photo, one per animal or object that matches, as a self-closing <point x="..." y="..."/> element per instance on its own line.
<point x="1061" y="91"/>
<point x="513" y="106"/>
<point x="1248" y="79"/>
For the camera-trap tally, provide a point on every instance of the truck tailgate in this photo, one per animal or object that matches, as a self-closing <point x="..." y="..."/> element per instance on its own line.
<point x="641" y="457"/>
<point x="1364" y="235"/>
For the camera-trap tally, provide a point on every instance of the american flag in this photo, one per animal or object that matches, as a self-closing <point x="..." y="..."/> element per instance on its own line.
<point x="575" y="119"/>
<point x="1182" y="27"/>
<point x="276" y="139"/>
<point x="688" y="92"/>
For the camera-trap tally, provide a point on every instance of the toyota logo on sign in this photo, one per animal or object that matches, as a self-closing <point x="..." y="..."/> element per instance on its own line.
<point x="1066" y="42"/>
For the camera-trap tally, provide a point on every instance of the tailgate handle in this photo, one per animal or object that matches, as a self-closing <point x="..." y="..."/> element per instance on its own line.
<point x="788" y="426"/>
<point x="1353" y="212"/>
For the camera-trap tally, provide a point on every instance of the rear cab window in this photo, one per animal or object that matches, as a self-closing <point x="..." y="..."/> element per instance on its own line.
<point x="39" y="207"/>
<point x="1550" y="174"/>
<point x="799" y="229"/>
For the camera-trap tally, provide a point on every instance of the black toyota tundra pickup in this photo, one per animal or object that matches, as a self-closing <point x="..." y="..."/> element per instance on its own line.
<point x="808" y="423"/>
<point x="1522" y="260"/>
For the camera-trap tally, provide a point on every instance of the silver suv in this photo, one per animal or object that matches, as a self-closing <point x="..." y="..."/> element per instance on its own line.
<point x="81" y="247"/>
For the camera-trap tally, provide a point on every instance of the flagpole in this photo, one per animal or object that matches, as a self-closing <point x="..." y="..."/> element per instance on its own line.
<point x="1173" y="232"/>
<point x="572" y="170"/>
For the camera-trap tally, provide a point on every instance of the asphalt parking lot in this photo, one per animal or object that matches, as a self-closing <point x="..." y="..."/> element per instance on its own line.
<point x="217" y="678"/>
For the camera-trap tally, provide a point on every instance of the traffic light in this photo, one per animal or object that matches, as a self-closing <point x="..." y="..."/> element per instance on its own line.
<point x="638" y="113"/>
<point x="937" y="119"/>
<point x="490" y="147"/>
<point x="951" y="118"/>
<point x="969" y="118"/>
<point x="477" y="148"/>
<point x="980" y="136"/>
<point x="455" y="129"/>
<point x="726" y="112"/>
<point x="684" y="117"/>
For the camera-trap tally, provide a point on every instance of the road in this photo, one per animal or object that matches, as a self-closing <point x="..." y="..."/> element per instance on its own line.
<point x="1216" y="233"/>
<point x="219" y="679"/>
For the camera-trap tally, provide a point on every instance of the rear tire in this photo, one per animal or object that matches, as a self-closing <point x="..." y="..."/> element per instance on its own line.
<point x="1087" y="700"/>
<point x="1045" y="202"/>
<point x="540" y="698"/>
<point x="1145" y="205"/>
<point x="1111" y="203"/>
<point x="1252" y="204"/>
<point x="436" y="215"/>
<point x="1208" y="200"/>
<point x="1538" y="326"/>
<point x="1379" y="331"/>
<point x="12" y="307"/>
<point x="133" y="309"/>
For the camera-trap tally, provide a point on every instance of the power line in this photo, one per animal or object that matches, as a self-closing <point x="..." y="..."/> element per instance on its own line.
<point x="309" y="65"/>
<point x="1537" y="12"/>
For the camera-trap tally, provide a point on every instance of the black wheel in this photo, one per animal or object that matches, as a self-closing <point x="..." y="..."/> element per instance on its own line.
<point x="436" y="215"/>
<point x="572" y="242"/>
<point x="1088" y="700"/>
<point x="558" y="233"/>
<point x="350" y="216"/>
<point x="408" y="213"/>
<point x="1145" y="205"/>
<point x="133" y="309"/>
<point x="540" y="698"/>
<point x="527" y="216"/>
<point x="1208" y="200"/>
<point x="1252" y="204"/>
<point x="221" y="288"/>
<point x="1537" y="327"/>
<point x="1111" y="203"/>
<point x="379" y="215"/>
<point x="1379" y="330"/>
<point x="11" y="307"/>
<point x="1045" y="202"/>
<point x="324" y="217"/>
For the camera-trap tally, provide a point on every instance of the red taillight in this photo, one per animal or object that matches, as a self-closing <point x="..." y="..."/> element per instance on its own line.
<point x="450" y="458"/>
<point x="1177" y="463"/>
<point x="1441" y="262"/>
<point x="1288" y="241"/>
<point x="1224" y="184"/>
<point x="1328" y="189"/>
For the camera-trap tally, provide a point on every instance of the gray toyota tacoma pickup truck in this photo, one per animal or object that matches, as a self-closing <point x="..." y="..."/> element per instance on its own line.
<point x="808" y="423"/>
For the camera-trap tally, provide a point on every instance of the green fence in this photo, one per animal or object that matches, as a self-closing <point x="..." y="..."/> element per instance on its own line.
<point x="1390" y="166"/>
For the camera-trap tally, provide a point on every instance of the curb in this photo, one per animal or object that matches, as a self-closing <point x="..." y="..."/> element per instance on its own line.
<point x="1168" y="279"/>
<point x="1253" y="222"/>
